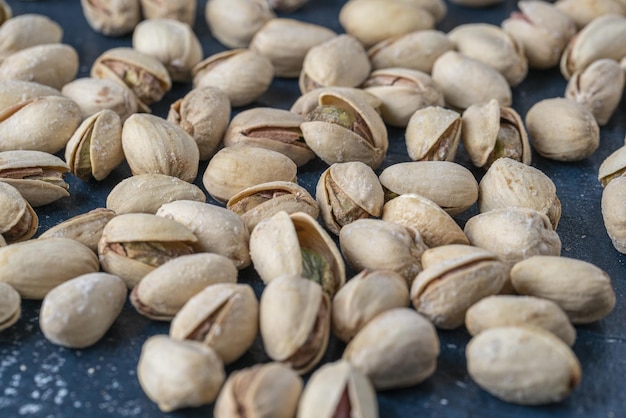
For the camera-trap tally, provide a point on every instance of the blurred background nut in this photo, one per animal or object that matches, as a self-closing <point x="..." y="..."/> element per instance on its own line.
<point x="85" y="228"/>
<point x="23" y="31"/>
<point x="433" y="134"/>
<point x="18" y="220"/>
<point x="614" y="213"/>
<point x="181" y="10"/>
<point x="112" y="18"/>
<point x="582" y="12"/>
<point x="10" y="306"/>
<point x="5" y="12"/>
<point x="94" y="94"/>
<point x="234" y="22"/>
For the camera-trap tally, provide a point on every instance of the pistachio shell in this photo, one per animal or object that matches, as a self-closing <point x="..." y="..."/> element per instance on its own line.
<point x="613" y="214"/>
<point x="18" y="220"/>
<point x="613" y="166"/>
<point x="181" y="10"/>
<point x="433" y="133"/>
<point x="5" y="12"/>
<point x="112" y="18"/>
<point x="85" y="228"/>
<point x="13" y="92"/>
<point x="94" y="94"/>
<point x="234" y="22"/>
<point x="583" y="12"/>
<point x="310" y="100"/>
<point x="10" y="306"/>
<point x="26" y="30"/>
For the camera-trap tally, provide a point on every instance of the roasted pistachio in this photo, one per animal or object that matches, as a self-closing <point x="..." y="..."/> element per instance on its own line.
<point x="10" y="306"/>
<point x="306" y="103"/>
<point x="18" y="220"/>
<point x="234" y="22"/>
<point x="181" y="10"/>
<point x="613" y="166"/>
<point x="613" y="214"/>
<point x="23" y="31"/>
<point x="85" y="228"/>
<point x="433" y="133"/>
<point x="93" y="95"/>
<point x="583" y="12"/>
<point x="112" y="18"/>
<point x="14" y="92"/>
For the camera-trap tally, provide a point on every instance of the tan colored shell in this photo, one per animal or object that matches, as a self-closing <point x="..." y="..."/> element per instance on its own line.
<point x="583" y="12"/>
<point x="25" y="30"/>
<point x="5" y="12"/>
<point x="34" y="276"/>
<point x="18" y="220"/>
<point x="112" y="18"/>
<point x="396" y="349"/>
<point x="433" y="133"/>
<point x="613" y="166"/>
<point x="181" y="10"/>
<point x="164" y="291"/>
<point x="94" y="94"/>
<point x="37" y="175"/>
<point x="310" y="100"/>
<point x="13" y="92"/>
<point x="10" y="306"/>
<point x="78" y="312"/>
<point x="234" y="22"/>
<point x="613" y="213"/>
<point x="223" y="316"/>
<point x="85" y="228"/>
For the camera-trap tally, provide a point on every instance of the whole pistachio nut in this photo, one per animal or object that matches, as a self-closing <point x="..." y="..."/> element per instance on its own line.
<point x="112" y="18"/>
<point x="223" y="316"/>
<point x="178" y="373"/>
<point x="151" y="144"/>
<point x="204" y="114"/>
<point x="433" y="133"/>
<point x="18" y="220"/>
<point x="181" y="10"/>
<point x="85" y="228"/>
<point x="287" y="5"/>
<point x="364" y="296"/>
<point x="234" y="22"/>
<point x="523" y="365"/>
<point x="286" y="41"/>
<point x="26" y="30"/>
<point x="5" y="12"/>
<point x="294" y="320"/>
<point x="262" y="390"/>
<point x="338" y="389"/>
<point x="270" y="128"/>
<point x="306" y="103"/>
<point x="13" y="92"/>
<point x="244" y="75"/>
<point x="583" y="12"/>
<point x="35" y="267"/>
<point x="10" y="306"/>
<point x="398" y="348"/>
<point x="613" y="213"/>
<point x="78" y="312"/>
<point x="134" y="244"/>
<point x="93" y="95"/>
<point x="562" y="129"/>
<point x="613" y="166"/>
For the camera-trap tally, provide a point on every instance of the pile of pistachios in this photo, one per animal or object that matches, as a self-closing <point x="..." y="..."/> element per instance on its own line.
<point x="176" y="258"/>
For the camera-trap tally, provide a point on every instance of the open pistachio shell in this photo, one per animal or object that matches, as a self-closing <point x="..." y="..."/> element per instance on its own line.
<point x="433" y="133"/>
<point x="10" y="306"/>
<point x="613" y="166"/>
<point x="13" y="92"/>
<point x="18" y="220"/>
<point x="26" y="30"/>
<point x="310" y="100"/>
<point x="95" y="94"/>
<point x="85" y="228"/>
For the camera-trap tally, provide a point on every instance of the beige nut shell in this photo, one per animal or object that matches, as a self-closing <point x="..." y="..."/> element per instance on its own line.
<point x="10" y="306"/>
<point x="433" y="133"/>
<point x="613" y="213"/>
<point x="85" y="228"/>
<point x="18" y="219"/>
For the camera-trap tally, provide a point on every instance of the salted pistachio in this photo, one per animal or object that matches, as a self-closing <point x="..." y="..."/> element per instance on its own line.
<point x="509" y="310"/>
<point x="448" y="184"/>
<point x="151" y="144"/>
<point x="340" y="61"/>
<point x="364" y="296"/>
<point x="599" y="87"/>
<point x="374" y="244"/>
<point x="294" y="320"/>
<point x="85" y="228"/>
<point x="145" y="193"/>
<point x="112" y="18"/>
<point x="244" y="75"/>
<point x="466" y="81"/>
<point x="95" y="148"/>
<point x="177" y="374"/>
<point x="613" y="166"/>
<point x="35" y="267"/>
<point x="37" y="175"/>
<point x="181" y="10"/>
<point x="78" y="312"/>
<point x="582" y="12"/>
<point x="613" y="213"/>
<point x="262" y="390"/>
<point x="270" y="128"/>
<point x="477" y="3"/>
<point x="14" y="92"/>
<point x="93" y="95"/>
<point x="402" y="92"/>
<point x="338" y="389"/>
<point x="18" y="220"/>
<point x="147" y="78"/>
<point x="5" y="12"/>
<point x="223" y="316"/>
<point x="523" y="365"/>
<point x="542" y="29"/>
<point x="415" y="50"/>
<point x="548" y="120"/>
<point x="255" y="203"/>
<point x="204" y="114"/>
<point x="10" y="306"/>
<point x="446" y="289"/>
<point x="296" y="244"/>
<point x="26" y="30"/>
<point x="398" y="348"/>
<point x="433" y="134"/>
<point x="217" y="229"/>
<point x="286" y="41"/>
<point x="234" y="22"/>
<point x="307" y="102"/>
<point x="134" y="244"/>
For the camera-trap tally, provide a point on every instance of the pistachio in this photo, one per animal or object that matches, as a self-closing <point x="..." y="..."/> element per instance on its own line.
<point x="14" y="92"/>
<point x="85" y="228"/>
<point x="613" y="166"/>
<point x="93" y="95"/>
<point x="613" y="214"/>
<point x="10" y="306"/>
<point x="306" y="103"/>
<point x="5" y="12"/>
<point x="112" y="18"/>
<point x="433" y="134"/>
<point x="23" y="31"/>
<point x="583" y="12"/>
<point x="234" y="22"/>
<point x="181" y="10"/>
<point x="18" y="220"/>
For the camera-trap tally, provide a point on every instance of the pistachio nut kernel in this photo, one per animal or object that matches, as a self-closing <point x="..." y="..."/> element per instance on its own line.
<point x="10" y="306"/>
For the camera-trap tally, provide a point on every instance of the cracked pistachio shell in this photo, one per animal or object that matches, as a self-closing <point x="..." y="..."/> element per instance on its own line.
<point x="562" y="129"/>
<point x="509" y="310"/>
<point x="433" y="133"/>
<point x="244" y="75"/>
<point x="204" y="114"/>
<point x="599" y="87"/>
<point x="10" y="306"/>
<point x="398" y="348"/>
<point x="310" y="100"/>
<point x="613" y="166"/>
<point x="218" y="229"/>
<point x="613" y="213"/>
<point x="223" y="316"/>
<point x="13" y="92"/>
<point x="263" y="390"/>
<point x="340" y="61"/>
<point x="234" y="22"/>
<point x="523" y="365"/>
<point x="338" y="389"/>
<point x="374" y="244"/>
<point x="78" y="312"/>
<point x="37" y="175"/>
<point x="511" y="183"/>
<point x="112" y="18"/>
<point x="296" y="244"/>
<point x="403" y="92"/>
<point x="466" y="81"/>
<point x="134" y="244"/>
<point x="233" y="169"/>
<point x="346" y="192"/>
<point x="446" y="289"/>
<point x="491" y="131"/>
<point x="18" y="220"/>
<point x="177" y="374"/>
<point x="583" y="12"/>
<point x="181" y="10"/>
<point x="448" y="184"/>
<point x="542" y="29"/>
<point x="264" y="200"/>
<point x="95" y="148"/>
<point x="23" y="31"/>
<point x="286" y="41"/>
<point x="294" y="319"/>
<point x="85" y="228"/>
<point x="93" y="95"/>
<point x="274" y="129"/>
<point x="146" y="193"/>
<point x="151" y="144"/>
<point x="164" y="291"/>
<point x="363" y="297"/>
<point x="35" y="267"/>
